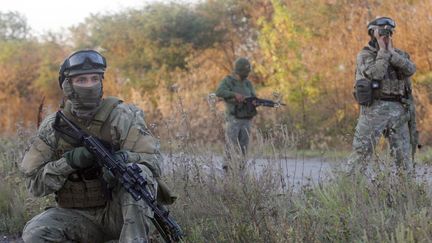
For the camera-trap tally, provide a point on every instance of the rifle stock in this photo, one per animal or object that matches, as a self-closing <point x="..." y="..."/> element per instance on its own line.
<point x="412" y="126"/>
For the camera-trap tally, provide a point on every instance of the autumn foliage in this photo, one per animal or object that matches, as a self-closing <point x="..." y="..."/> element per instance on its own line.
<point x="167" y="58"/>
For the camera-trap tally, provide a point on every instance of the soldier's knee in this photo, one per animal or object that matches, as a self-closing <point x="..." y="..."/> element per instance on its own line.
<point x="35" y="233"/>
<point x="32" y="235"/>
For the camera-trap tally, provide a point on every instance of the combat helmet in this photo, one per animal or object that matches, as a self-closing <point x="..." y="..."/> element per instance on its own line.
<point x="242" y="67"/>
<point x="82" y="62"/>
<point x="381" y="21"/>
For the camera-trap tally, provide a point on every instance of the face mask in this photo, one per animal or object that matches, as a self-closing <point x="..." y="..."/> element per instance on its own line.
<point x="242" y="67"/>
<point x="85" y="100"/>
<point x="242" y="74"/>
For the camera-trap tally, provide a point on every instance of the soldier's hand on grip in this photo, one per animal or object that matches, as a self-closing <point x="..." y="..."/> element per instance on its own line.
<point x="239" y="97"/>
<point x="121" y="156"/>
<point x="79" y="158"/>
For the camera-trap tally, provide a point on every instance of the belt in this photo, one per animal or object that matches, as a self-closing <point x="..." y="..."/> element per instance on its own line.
<point x="393" y="99"/>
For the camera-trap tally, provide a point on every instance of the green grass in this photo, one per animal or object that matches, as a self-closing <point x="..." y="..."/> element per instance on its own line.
<point x="16" y="206"/>
<point x="240" y="207"/>
<point x="424" y="156"/>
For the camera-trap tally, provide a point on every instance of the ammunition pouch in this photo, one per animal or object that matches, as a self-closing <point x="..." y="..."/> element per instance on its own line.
<point x="164" y="194"/>
<point x="363" y="92"/>
<point x="79" y="192"/>
<point x="391" y="90"/>
<point x="244" y="111"/>
<point x="393" y="87"/>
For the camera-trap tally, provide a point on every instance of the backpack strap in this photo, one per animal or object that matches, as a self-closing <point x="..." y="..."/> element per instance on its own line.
<point x="96" y="126"/>
<point x="107" y="106"/>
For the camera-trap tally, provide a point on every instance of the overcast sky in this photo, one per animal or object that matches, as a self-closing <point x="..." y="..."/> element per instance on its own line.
<point x="43" y="15"/>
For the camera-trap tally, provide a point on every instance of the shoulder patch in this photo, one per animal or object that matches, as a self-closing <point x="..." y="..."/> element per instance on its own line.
<point x="123" y="118"/>
<point x="128" y="110"/>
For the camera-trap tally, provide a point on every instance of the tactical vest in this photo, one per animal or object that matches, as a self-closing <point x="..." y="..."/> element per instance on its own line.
<point x="85" y="188"/>
<point x="393" y="87"/>
<point x="242" y="110"/>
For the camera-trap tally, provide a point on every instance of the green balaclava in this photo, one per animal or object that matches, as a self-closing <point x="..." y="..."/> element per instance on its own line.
<point x="242" y="67"/>
<point x="85" y="100"/>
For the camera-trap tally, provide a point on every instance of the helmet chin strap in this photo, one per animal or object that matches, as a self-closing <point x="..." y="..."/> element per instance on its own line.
<point x="102" y="89"/>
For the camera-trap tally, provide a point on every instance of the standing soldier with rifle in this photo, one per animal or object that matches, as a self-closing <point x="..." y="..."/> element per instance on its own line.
<point x="234" y="89"/>
<point x="102" y="163"/>
<point x="383" y="89"/>
<point x="240" y="103"/>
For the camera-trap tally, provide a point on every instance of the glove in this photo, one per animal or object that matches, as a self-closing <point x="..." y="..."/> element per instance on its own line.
<point x="79" y="158"/>
<point x="121" y="156"/>
<point x="110" y="178"/>
<point x="239" y="97"/>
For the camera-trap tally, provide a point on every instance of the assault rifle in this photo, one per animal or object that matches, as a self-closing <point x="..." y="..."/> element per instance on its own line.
<point x="128" y="175"/>
<point x="254" y="101"/>
<point x="412" y="126"/>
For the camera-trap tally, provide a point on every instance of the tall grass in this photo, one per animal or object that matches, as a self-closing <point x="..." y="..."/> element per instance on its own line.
<point x="16" y="206"/>
<point x="244" y="206"/>
<point x="259" y="203"/>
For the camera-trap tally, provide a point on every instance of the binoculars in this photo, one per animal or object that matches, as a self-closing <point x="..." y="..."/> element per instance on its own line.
<point x="385" y="32"/>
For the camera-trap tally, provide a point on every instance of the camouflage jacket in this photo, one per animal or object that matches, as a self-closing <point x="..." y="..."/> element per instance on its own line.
<point x="46" y="170"/>
<point x="231" y="85"/>
<point x="392" y="70"/>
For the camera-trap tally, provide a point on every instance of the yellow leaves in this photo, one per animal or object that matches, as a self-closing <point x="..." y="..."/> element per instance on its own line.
<point x="280" y="43"/>
<point x="312" y="92"/>
<point x="340" y="115"/>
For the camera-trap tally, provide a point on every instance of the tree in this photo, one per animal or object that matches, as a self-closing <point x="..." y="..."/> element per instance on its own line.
<point x="13" y="26"/>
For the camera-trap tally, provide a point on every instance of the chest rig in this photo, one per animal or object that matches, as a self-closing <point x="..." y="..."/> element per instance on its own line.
<point x="242" y="110"/>
<point x="85" y="188"/>
<point x="394" y="85"/>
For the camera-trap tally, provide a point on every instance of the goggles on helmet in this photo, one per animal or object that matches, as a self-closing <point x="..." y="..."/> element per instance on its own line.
<point x="82" y="62"/>
<point x="385" y="21"/>
<point x="80" y="58"/>
<point x="382" y="22"/>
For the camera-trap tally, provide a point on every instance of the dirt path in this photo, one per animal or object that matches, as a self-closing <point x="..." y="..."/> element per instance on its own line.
<point x="293" y="172"/>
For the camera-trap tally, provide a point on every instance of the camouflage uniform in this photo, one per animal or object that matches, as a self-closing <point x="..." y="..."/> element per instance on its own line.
<point x="388" y="115"/>
<point x="47" y="172"/>
<point x="237" y="130"/>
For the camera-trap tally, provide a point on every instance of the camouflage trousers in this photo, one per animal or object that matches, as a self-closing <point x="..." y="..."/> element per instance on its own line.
<point x="122" y="219"/>
<point x="237" y="134"/>
<point x="386" y="118"/>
